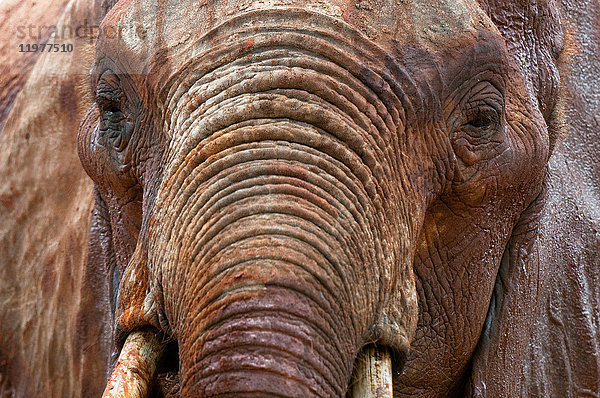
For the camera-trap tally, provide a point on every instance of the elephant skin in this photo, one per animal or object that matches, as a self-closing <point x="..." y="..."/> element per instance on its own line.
<point x="277" y="184"/>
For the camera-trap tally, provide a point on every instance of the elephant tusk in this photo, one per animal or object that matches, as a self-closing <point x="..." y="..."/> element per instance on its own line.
<point x="373" y="377"/>
<point x="138" y="360"/>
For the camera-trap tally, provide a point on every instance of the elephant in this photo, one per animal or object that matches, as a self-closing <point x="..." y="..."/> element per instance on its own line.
<point x="272" y="196"/>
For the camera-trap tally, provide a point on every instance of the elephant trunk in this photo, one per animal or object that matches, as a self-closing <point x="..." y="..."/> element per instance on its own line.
<point x="268" y="252"/>
<point x="267" y="288"/>
<point x="266" y="340"/>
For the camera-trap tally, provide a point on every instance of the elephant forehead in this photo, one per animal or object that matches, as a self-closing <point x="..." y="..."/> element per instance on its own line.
<point x="432" y="21"/>
<point x="143" y="27"/>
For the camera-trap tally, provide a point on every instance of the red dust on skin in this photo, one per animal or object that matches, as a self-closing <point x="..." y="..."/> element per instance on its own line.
<point x="8" y="198"/>
<point x="249" y="43"/>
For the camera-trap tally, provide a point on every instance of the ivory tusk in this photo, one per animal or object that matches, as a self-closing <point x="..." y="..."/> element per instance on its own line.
<point x="373" y="377"/>
<point x="133" y="373"/>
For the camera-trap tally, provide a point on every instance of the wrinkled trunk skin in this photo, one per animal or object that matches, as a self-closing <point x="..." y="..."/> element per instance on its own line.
<point x="267" y="260"/>
<point x="268" y="323"/>
<point x="269" y="234"/>
<point x="264" y="277"/>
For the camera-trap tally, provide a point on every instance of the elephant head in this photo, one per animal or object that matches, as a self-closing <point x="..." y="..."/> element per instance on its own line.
<point x="281" y="183"/>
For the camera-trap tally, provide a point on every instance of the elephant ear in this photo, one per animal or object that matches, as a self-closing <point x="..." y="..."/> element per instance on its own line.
<point x="541" y="334"/>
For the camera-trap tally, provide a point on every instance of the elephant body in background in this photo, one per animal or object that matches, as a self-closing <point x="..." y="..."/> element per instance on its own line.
<point x="276" y="184"/>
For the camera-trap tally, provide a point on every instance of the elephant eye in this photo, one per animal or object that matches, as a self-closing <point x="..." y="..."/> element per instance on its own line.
<point x="114" y="126"/>
<point x="482" y="112"/>
<point x="481" y="119"/>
